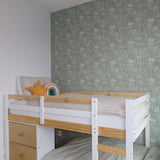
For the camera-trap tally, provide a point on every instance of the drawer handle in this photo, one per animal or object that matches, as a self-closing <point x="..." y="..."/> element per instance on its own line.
<point x="21" y="134"/>
<point x="21" y="155"/>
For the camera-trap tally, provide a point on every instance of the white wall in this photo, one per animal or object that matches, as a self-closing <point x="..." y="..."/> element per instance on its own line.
<point x="24" y="45"/>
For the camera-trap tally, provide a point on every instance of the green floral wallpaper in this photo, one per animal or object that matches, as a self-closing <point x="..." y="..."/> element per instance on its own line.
<point x="110" y="45"/>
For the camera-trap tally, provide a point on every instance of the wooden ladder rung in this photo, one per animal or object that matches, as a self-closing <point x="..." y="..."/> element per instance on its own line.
<point x="111" y="149"/>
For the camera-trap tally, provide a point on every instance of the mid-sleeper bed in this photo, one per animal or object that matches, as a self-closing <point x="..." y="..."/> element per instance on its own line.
<point x="114" y="115"/>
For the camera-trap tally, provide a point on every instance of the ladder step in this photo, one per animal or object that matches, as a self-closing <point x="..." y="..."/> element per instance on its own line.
<point x="111" y="149"/>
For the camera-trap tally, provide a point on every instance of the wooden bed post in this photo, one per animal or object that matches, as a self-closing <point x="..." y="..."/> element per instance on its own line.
<point x="129" y="129"/>
<point x="6" y="127"/>
<point x="94" y="109"/>
<point x="147" y="128"/>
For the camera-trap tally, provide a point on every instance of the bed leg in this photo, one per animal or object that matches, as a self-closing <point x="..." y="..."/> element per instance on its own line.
<point x="147" y="136"/>
<point x="6" y="127"/>
<point x="129" y="130"/>
<point x="94" y="108"/>
<point x="129" y="150"/>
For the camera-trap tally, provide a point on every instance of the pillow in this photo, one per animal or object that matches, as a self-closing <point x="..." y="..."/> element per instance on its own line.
<point x="37" y="90"/>
<point x="19" y="86"/>
<point x="53" y="89"/>
<point x="31" y="81"/>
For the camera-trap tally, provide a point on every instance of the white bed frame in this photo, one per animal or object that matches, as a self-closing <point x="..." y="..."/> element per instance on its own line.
<point x="134" y="114"/>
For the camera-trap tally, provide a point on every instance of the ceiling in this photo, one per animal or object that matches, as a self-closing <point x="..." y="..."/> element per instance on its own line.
<point x="56" y="5"/>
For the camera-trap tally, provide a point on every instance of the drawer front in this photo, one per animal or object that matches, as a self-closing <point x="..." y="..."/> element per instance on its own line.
<point x="21" y="152"/>
<point x="22" y="134"/>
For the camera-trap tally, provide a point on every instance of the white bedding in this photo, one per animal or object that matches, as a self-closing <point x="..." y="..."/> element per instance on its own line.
<point x="109" y="105"/>
<point x="111" y="110"/>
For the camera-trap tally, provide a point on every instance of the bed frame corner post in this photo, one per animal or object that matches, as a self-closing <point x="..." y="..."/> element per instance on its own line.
<point x="147" y="135"/>
<point x="6" y="127"/>
<point x="94" y="109"/>
<point x="129" y="129"/>
<point x="42" y="109"/>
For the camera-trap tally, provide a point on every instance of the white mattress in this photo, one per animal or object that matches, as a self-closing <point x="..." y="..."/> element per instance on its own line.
<point x="110" y="121"/>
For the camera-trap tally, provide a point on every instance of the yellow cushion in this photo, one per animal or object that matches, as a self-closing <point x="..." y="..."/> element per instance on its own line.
<point x="37" y="90"/>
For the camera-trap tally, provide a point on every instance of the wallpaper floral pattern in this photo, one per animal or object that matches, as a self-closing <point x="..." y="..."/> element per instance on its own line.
<point x="110" y="45"/>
